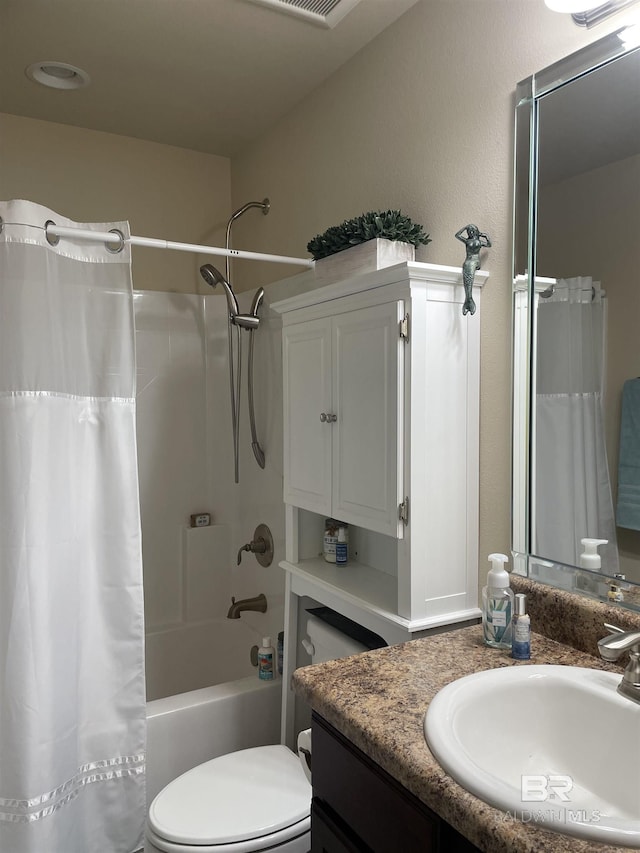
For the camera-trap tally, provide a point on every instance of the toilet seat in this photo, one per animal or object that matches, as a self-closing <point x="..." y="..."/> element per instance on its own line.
<point x="243" y="802"/>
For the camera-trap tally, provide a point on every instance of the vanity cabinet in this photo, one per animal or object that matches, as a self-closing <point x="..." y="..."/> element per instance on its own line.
<point x="381" y="425"/>
<point x="342" y="416"/>
<point x="358" y="807"/>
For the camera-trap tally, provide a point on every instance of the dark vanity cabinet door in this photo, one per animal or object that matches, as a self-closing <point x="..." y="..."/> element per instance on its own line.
<point x="359" y="808"/>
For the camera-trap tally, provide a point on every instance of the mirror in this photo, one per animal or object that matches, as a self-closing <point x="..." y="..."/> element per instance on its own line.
<point x="576" y="347"/>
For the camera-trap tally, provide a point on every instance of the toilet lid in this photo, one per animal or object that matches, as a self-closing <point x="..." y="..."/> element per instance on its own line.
<point x="235" y="797"/>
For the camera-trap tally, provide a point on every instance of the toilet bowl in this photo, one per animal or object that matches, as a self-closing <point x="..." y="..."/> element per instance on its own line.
<point x="248" y="801"/>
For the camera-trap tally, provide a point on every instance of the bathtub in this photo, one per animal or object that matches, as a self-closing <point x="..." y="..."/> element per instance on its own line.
<point x="234" y="711"/>
<point x="185" y="657"/>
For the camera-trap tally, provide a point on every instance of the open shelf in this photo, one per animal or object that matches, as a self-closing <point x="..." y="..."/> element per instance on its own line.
<point x="356" y="589"/>
<point x="366" y="585"/>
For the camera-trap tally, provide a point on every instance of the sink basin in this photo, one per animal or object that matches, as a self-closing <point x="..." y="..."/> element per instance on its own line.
<point x="554" y="746"/>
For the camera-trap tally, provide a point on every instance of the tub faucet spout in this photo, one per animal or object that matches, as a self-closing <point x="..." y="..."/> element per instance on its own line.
<point x="259" y="603"/>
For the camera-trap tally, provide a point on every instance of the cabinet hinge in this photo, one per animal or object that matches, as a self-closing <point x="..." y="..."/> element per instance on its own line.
<point x="403" y="511"/>
<point x="404" y="327"/>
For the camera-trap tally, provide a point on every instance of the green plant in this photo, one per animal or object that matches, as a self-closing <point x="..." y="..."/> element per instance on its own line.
<point x="389" y="224"/>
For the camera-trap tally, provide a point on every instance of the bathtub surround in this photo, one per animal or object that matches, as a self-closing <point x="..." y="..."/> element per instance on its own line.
<point x="72" y="741"/>
<point x="185" y="465"/>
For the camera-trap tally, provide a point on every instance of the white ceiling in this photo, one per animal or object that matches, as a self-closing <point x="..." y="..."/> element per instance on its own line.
<point x="210" y="75"/>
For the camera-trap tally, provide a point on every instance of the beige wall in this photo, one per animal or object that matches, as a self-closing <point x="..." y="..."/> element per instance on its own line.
<point x="90" y="176"/>
<point x="422" y="120"/>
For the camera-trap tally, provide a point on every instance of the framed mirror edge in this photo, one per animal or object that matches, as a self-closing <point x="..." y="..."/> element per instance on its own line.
<point x="596" y="585"/>
<point x="582" y="61"/>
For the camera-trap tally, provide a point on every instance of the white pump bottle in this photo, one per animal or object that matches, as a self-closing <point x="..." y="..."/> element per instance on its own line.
<point x="497" y="604"/>
<point x="590" y="559"/>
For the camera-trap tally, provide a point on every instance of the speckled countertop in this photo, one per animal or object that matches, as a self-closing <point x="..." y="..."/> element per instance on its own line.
<point x="378" y="700"/>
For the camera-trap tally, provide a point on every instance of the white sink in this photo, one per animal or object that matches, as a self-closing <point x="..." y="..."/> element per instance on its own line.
<point x="498" y="732"/>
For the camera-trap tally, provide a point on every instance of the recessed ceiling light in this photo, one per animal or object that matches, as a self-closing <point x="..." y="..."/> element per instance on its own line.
<point x="58" y="75"/>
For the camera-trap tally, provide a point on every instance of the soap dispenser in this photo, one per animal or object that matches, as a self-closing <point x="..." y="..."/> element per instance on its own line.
<point x="590" y="559"/>
<point x="497" y="604"/>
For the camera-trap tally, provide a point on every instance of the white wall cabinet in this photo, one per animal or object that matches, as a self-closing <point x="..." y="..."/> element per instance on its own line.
<point x="343" y="418"/>
<point x="393" y="366"/>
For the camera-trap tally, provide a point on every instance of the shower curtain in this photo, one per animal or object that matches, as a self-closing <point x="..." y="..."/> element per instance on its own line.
<point x="72" y="695"/>
<point x="572" y="498"/>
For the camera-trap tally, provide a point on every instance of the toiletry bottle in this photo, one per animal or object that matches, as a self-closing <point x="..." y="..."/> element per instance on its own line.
<point x="616" y="586"/>
<point x="330" y="540"/>
<point x="266" y="658"/>
<point x="590" y="559"/>
<point x="497" y="604"/>
<point x="342" y="547"/>
<point x="521" y="634"/>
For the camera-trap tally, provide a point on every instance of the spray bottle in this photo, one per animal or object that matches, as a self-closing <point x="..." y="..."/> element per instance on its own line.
<point x="497" y="604"/>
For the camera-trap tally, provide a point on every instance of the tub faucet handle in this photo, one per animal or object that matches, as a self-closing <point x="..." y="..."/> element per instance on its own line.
<point x="261" y="545"/>
<point x="256" y="546"/>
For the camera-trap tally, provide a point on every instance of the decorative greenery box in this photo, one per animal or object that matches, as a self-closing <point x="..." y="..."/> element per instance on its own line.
<point x="377" y="239"/>
<point x="365" y="257"/>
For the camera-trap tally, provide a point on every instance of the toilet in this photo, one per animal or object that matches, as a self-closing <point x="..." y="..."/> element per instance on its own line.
<point x="248" y="801"/>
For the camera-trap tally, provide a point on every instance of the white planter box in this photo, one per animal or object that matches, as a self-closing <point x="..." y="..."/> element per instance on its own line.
<point x="363" y="258"/>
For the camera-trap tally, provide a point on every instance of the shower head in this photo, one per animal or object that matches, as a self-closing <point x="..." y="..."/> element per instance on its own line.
<point x="213" y="277"/>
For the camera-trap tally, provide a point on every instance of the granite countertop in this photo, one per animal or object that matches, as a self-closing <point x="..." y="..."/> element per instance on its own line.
<point x="378" y="701"/>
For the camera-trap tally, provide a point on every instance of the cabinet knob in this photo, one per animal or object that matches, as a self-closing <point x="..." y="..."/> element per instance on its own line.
<point x="328" y="419"/>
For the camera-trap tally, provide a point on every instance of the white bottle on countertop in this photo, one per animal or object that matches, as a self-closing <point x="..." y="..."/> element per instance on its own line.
<point x="497" y="605"/>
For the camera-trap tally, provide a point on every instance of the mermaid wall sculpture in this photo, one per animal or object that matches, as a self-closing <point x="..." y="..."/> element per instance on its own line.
<point x="474" y="240"/>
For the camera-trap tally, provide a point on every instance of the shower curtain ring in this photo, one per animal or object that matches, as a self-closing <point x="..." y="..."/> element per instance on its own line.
<point x="52" y="239"/>
<point x="114" y="248"/>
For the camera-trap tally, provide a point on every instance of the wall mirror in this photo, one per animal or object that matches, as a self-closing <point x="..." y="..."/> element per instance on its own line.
<point x="576" y="322"/>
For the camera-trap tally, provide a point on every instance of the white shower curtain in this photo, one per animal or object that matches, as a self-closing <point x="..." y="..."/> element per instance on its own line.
<point x="572" y="497"/>
<point x="72" y="695"/>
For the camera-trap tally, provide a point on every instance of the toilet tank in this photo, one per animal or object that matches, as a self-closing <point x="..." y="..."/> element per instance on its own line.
<point x="328" y="643"/>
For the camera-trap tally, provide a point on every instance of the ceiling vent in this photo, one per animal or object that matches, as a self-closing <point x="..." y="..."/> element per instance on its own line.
<point x="322" y="13"/>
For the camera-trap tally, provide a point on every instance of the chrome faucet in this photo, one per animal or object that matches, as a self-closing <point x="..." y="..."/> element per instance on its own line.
<point x="614" y="646"/>
<point x="259" y="603"/>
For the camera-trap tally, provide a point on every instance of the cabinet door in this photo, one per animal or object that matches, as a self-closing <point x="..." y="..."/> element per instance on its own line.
<point x="367" y="399"/>
<point x="330" y="835"/>
<point x="307" y="394"/>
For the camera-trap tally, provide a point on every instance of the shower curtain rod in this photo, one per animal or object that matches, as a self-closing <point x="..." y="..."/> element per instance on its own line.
<point x="116" y="239"/>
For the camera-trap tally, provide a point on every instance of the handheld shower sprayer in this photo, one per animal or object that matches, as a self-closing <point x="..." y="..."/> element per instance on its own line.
<point x="250" y="322"/>
<point x="247" y="321"/>
<point x="213" y="277"/>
